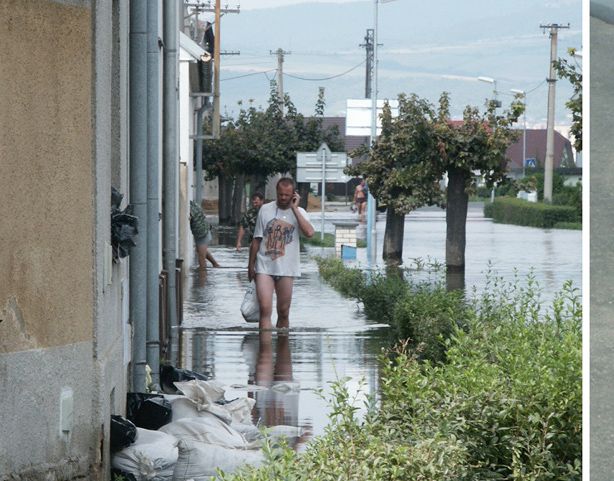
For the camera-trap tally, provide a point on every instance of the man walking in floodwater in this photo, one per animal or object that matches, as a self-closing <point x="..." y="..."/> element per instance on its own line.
<point x="274" y="257"/>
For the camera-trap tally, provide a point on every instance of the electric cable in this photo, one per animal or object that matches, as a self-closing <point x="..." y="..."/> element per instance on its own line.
<point x="248" y="74"/>
<point x="326" y="78"/>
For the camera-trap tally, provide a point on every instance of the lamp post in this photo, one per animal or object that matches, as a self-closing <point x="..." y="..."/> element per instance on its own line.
<point x="371" y="213"/>
<point x="491" y="80"/>
<point x="523" y="96"/>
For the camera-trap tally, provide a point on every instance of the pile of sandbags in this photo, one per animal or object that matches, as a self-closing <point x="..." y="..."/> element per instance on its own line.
<point x="199" y="439"/>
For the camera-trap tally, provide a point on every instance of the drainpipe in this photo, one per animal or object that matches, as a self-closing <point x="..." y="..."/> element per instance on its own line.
<point x="170" y="163"/>
<point x="199" y="151"/>
<point x="153" y="178"/>
<point x="138" y="187"/>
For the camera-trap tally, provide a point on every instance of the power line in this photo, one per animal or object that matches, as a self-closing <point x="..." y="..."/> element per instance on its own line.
<point x="326" y="78"/>
<point x="248" y="74"/>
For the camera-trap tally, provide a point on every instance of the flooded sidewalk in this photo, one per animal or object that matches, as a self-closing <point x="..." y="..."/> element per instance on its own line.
<point x="329" y="337"/>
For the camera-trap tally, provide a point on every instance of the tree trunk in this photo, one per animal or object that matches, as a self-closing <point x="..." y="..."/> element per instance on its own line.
<point x="393" y="237"/>
<point x="224" y="198"/>
<point x="237" y="199"/>
<point x="303" y="191"/>
<point x="258" y="183"/>
<point x="456" y="220"/>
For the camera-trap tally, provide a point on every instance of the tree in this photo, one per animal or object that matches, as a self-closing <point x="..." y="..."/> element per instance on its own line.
<point x="574" y="104"/>
<point x="401" y="168"/>
<point x="419" y="147"/>
<point x="475" y="145"/>
<point x="260" y="143"/>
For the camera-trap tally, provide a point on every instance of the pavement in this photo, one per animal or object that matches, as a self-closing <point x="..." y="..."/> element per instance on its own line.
<point x="601" y="243"/>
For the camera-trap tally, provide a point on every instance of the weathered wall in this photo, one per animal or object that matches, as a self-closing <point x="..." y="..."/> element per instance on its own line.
<point x="62" y="326"/>
<point x="45" y="175"/>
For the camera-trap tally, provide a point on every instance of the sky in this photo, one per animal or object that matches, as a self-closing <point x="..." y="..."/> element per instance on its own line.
<point x="428" y="48"/>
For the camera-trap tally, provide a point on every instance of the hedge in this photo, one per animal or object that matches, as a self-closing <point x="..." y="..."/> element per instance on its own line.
<point x="509" y="210"/>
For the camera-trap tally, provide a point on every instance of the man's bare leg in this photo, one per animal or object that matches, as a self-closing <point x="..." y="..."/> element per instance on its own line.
<point x="283" y="289"/>
<point x="201" y="249"/>
<point x="211" y="259"/>
<point x="264" y="289"/>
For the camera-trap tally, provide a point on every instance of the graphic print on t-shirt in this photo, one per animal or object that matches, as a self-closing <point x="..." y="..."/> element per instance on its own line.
<point x="278" y="234"/>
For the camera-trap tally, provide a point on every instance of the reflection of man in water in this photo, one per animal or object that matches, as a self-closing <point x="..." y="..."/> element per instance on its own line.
<point x="275" y="406"/>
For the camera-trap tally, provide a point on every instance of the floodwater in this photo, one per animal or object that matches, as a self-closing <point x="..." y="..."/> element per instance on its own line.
<point x="329" y="337"/>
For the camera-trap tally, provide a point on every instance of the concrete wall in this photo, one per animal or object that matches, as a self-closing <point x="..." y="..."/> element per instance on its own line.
<point x="61" y="331"/>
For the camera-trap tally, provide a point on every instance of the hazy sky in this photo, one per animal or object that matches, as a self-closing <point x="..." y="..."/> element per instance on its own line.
<point x="253" y="4"/>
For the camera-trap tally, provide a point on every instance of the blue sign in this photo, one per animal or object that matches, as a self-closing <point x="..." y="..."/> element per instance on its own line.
<point x="532" y="162"/>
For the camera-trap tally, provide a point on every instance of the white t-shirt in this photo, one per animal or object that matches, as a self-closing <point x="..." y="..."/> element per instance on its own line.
<point x="279" y="253"/>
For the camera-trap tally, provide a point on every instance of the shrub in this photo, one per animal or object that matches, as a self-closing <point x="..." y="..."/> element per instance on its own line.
<point x="347" y="281"/>
<point x="427" y="316"/>
<point x="509" y="210"/>
<point x="509" y="391"/>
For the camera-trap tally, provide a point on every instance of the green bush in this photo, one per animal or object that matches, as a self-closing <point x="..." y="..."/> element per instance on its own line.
<point x="347" y="281"/>
<point x="427" y="316"/>
<point x="488" y="209"/>
<point x="509" y="391"/>
<point x="380" y="294"/>
<point x="505" y="405"/>
<point x="329" y="240"/>
<point x="510" y="210"/>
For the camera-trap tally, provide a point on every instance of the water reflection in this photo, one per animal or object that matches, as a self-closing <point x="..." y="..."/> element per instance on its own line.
<point x="278" y="401"/>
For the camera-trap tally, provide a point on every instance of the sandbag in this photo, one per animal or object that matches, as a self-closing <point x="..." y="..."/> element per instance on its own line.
<point x="250" y="309"/>
<point x="204" y="395"/>
<point x="206" y="429"/>
<point x="198" y="461"/>
<point x="240" y="409"/>
<point x="152" y="457"/>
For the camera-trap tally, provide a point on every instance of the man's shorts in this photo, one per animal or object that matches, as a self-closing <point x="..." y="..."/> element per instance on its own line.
<point x="204" y="240"/>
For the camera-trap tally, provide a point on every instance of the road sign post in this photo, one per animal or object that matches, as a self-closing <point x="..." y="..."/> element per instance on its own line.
<point x="321" y="166"/>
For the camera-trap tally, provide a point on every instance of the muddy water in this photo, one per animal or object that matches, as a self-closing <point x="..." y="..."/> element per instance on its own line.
<point x="329" y="337"/>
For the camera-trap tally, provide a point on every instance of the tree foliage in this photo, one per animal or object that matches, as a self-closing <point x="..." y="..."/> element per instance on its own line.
<point x="264" y="142"/>
<point x="401" y="168"/>
<point x="416" y="149"/>
<point x="573" y="73"/>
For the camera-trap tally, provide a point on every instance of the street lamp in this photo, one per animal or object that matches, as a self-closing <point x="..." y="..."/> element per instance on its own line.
<point x="523" y="95"/>
<point x="371" y="215"/>
<point x="495" y="92"/>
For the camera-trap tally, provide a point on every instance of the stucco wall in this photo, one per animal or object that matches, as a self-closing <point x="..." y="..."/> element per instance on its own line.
<point x="46" y="295"/>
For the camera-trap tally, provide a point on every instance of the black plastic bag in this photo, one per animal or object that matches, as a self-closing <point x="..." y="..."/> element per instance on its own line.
<point x="123" y="433"/>
<point x="124" y="226"/>
<point x="117" y="474"/>
<point x="170" y="374"/>
<point x="148" y="411"/>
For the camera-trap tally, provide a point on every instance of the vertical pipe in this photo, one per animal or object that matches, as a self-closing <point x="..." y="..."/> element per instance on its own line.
<point x="323" y="191"/>
<point x="198" y="194"/>
<point x="549" y="167"/>
<point x="138" y="187"/>
<point x="153" y="178"/>
<point x="216" y="71"/>
<point x="170" y="162"/>
<point x="371" y="221"/>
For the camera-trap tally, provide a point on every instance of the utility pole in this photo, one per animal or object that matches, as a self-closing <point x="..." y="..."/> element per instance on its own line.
<point x="369" y="61"/>
<point x="280" y="74"/>
<point x="549" y="167"/>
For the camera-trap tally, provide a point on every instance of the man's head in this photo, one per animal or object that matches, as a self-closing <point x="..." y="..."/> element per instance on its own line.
<point x="285" y="191"/>
<point x="257" y="200"/>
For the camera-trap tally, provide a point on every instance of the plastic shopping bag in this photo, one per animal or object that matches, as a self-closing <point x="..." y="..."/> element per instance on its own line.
<point x="250" y="309"/>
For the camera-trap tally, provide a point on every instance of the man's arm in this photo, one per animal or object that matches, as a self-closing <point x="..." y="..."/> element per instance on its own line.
<point x="240" y="235"/>
<point x="253" y="250"/>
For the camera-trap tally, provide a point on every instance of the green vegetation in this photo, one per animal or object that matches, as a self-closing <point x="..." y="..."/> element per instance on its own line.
<point x="504" y="404"/>
<point x="509" y="210"/>
<point x="329" y="240"/>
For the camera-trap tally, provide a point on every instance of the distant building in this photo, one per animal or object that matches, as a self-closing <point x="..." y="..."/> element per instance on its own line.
<point x="536" y="151"/>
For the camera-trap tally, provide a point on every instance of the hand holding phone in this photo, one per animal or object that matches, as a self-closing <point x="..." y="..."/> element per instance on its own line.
<point x="295" y="199"/>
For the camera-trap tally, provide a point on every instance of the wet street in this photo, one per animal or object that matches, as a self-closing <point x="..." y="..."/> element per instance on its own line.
<point x="329" y="337"/>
